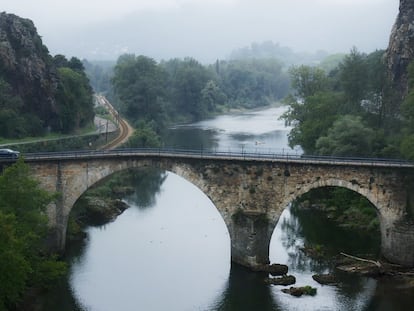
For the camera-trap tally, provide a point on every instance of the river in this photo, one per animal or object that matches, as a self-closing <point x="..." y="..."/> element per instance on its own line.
<point x="171" y="250"/>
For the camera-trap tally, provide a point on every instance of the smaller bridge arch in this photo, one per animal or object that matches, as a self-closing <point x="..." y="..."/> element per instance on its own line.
<point x="250" y="192"/>
<point x="334" y="182"/>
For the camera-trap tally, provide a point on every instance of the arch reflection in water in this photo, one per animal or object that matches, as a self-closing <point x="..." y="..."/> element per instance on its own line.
<point x="173" y="256"/>
<point x="289" y="237"/>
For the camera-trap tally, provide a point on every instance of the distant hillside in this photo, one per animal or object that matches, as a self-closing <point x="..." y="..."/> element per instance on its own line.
<point x="38" y="92"/>
<point x="271" y="50"/>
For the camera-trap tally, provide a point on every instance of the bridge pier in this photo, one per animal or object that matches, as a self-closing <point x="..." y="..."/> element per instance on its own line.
<point x="397" y="243"/>
<point x="250" y="234"/>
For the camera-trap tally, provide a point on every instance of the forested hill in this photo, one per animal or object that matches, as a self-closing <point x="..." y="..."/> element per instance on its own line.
<point x="38" y="92"/>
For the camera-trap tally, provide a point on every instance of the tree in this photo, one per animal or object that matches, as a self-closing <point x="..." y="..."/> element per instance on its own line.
<point x="23" y="228"/>
<point x="186" y="80"/>
<point x="139" y="84"/>
<point x="311" y="119"/>
<point x="307" y="81"/>
<point x="12" y="123"/>
<point x="74" y="99"/>
<point x="354" y="79"/>
<point x="348" y="136"/>
<point x="252" y="82"/>
<point x="144" y="136"/>
<point x="212" y="96"/>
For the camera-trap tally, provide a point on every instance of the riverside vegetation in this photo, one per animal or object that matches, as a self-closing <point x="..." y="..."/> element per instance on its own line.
<point x="26" y="265"/>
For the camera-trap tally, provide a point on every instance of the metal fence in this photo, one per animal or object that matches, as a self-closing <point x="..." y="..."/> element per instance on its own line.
<point x="258" y="155"/>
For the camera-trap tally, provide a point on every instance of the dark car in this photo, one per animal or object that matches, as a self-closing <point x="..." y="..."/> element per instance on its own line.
<point x="9" y="154"/>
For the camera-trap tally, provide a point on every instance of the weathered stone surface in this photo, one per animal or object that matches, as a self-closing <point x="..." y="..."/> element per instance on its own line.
<point x="100" y="212"/>
<point x="273" y="269"/>
<point x="250" y="195"/>
<point x="400" y="50"/>
<point x="325" y="279"/>
<point x="27" y="67"/>
<point x="283" y="280"/>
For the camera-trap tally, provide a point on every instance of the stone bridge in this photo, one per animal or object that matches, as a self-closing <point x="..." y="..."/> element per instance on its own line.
<point x="249" y="191"/>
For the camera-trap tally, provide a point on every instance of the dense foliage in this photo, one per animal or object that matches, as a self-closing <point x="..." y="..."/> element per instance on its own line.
<point x="23" y="227"/>
<point x="153" y="94"/>
<point x="349" y="111"/>
<point x="343" y="206"/>
<point x="74" y="95"/>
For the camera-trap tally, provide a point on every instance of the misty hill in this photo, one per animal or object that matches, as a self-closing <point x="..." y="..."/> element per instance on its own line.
<point x="38" y="92"/>
<point x="271" y="50"/>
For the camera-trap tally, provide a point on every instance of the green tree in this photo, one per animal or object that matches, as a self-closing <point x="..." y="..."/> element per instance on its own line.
<point x="12" y="124"/>
<point x="252" y="82"/>
<point x="23" y="228"/>
<point x="144" y="136"/>
<point x="307" y="81"/>
<point x="354" y="80"/>
<point x="74" y="99"/>
<point x="186" y="79"/>
<point x="358" y="87"/>
<point x="139" y="84"/>
<point x="212" y="96"/>
<point x="312" y="119"/>
<point x="348" y="136"/>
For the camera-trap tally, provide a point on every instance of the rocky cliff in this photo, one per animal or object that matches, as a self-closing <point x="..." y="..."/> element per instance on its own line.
<point x="400" y="50"/>
<point x="25" y="64"/>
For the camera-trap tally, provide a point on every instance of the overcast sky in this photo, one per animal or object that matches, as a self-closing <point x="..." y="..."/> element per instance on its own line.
<point x="205" y="29"/>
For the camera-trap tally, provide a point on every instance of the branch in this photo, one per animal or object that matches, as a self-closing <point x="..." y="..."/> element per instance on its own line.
<point x="377" y="263"/>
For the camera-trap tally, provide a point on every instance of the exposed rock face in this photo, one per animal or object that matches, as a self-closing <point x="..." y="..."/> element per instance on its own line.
<point x="25" y="64"/>
<point x="400" y="50"/>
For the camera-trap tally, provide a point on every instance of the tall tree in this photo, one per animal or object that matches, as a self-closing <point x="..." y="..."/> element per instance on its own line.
<point x="140" y="83"/>
<point x="23" y="228"/>
<point x="353" y="76"/>
<point x="307" y="81"/>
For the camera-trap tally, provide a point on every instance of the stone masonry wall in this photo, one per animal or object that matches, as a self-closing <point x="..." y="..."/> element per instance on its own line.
<point x="250" y="195"/>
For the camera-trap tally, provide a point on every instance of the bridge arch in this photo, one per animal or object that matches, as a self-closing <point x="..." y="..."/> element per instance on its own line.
<point x="330" y="183"/>
<point x="334" y="182"/>
<point x="387" y="217"/>
<point x="80" y="183"/>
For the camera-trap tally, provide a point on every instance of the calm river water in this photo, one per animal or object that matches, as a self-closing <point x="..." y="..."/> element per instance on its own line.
<point x="171" y="249"/>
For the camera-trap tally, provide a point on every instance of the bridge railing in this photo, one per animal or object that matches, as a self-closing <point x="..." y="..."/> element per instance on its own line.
<point x="257" y="155"/>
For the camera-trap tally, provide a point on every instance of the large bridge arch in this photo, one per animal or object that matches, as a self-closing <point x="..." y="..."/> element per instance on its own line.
<point x="73" y="180"/>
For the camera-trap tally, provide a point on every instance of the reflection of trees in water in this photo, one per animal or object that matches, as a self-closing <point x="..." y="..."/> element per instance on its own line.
<point x="245" y="291"/>
<point x="312" y="228"/>
<point x="389" y="295"/>
<point x="146" y="184"/>
<point x="191" y="138"/>
<point x="293" y="240"/>
<point x="317" y="229"/>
